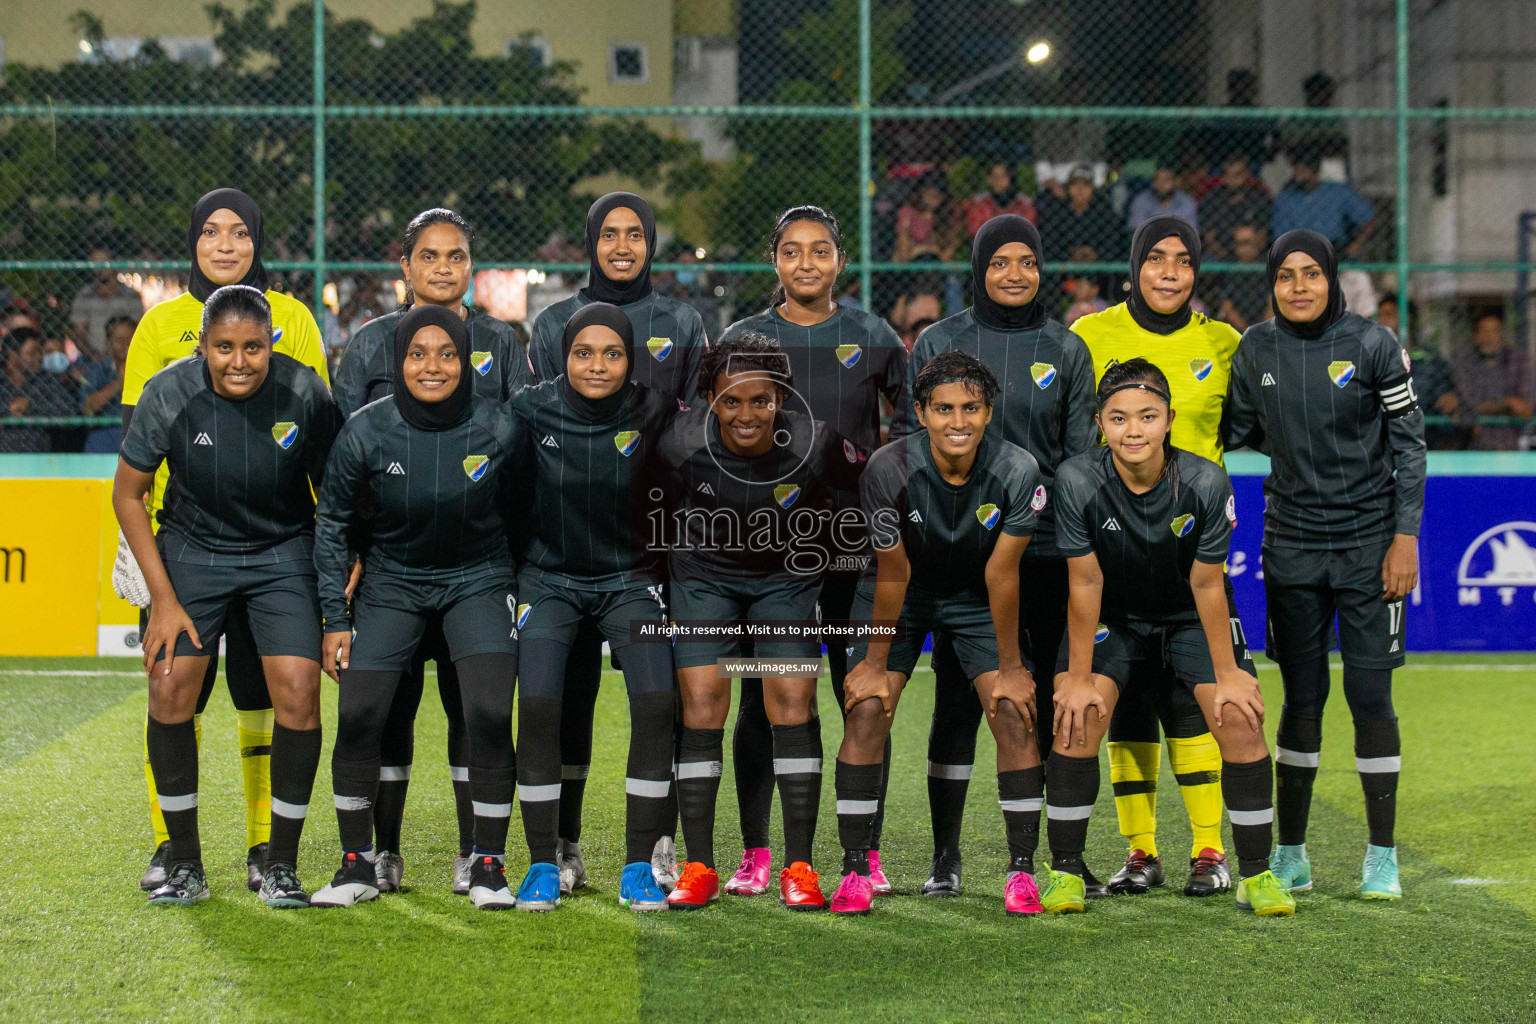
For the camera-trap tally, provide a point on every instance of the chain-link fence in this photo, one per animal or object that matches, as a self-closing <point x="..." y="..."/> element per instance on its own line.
<point x="1404" y="129"/>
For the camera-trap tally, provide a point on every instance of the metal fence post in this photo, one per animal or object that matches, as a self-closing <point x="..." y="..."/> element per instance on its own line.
<point x="866" y="166"/>
<point x="1404" y="196"/>
<point x="319" y="163"/>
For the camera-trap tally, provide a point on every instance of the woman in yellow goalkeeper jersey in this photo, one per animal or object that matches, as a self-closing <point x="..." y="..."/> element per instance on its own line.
<point x="224" y="241"/>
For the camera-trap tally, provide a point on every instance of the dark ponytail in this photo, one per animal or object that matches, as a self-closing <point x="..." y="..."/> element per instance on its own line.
<point x="794" y="215"/>
<point x="236" y="302"/>
<point x="1140" y="374"/>
<point x="427" y="218"/>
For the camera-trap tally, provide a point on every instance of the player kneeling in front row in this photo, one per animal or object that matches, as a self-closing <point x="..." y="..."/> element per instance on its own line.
<point x="246" y="433"/>
<point x="950" y="513"/>
<point x="1145" y="528"/>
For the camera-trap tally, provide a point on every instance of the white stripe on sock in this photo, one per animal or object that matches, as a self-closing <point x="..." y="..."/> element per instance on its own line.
<point x="1368" y="765"/>
<point x="186" y="802"/>
<point x="954" y="772"/>
<point x="574" y="771"/>
<point x="458" y="773"/>
<point x="491" y="810"/>
<point x="1297" y="758"/>
<point x="699" y="770"/>
<point x="1263" y="817"/>
<point x="858" y="806"/>
<point x="1055" y="813"/>
<point x="539" y="794"/>
<point x="352" y="803"/>
<point x="296" y="812"/>
<point x="1027" y="804"/>
<point x="402" y="773"/>
<point x="797" y="766"/>
<point x="647" y="787"/>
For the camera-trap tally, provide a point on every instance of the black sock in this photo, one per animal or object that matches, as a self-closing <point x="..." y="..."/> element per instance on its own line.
<point x="648" y="776"/>
<point x="1246" y="790"/>
<point x="1297" y="753"/>
<point x="583" y="675"/>
<point x="1378" y="759"/>
<point x="389" y="810"/>
<point x="295" y="759"/>
<point x="1021" y="794"/>
<point x="356" y="787"/>
<point x="538" y="774"/>
<point x="397" y="749"/>
<point x="797" y="766"/>
<point x="492" y="790"/>
<point x="463" y="793"/>
<point x="885" y="783"/>
<point x="752" y="757"/>
<point x="698" y="784"/>
<point x="858" y="789"/>
<point x="951" y="747"/>
<point x="173" y="758"/>
<point x="1073" y="787"/>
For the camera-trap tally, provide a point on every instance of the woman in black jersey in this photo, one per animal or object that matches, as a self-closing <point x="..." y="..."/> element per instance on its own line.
<point x="246" y="433"/>
<point x="844" y="360"/>
<point x="1145" y="528"/>
<point x="438" y="266"/>
<point x="418" y="483"/>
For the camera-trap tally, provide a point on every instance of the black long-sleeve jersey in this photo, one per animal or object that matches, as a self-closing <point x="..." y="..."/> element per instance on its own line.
<point x="366" y="373"/>
<point x="428" y="505"/>
<point x="669" y="343"/>
<point x="240" y="471"/>
<point x="949" y="531"/>
<point x="592" y="485"/>
<point x="1145" y="543"/>
<point x="1339" y="419"/>
<point x="1045" y="404"/>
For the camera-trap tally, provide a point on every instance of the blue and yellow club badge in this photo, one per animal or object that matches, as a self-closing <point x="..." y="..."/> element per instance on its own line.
<point x="786" y="494"/>
<point x="626" y="441"/>
<point x="1341" y="372"/>
<point x="1182" y="525"/>
<point x="1043" y="373"/>
<point x="285" y="434"/>
<point x="481" y="361"/>
<point x="475" y="466"/>
<point x="1101" y="634"/>
<point x="988" y="515"/>
<point x="522" y="615"/>
<point x="848" y="355"/>
<point x="1201" y="368"/>
<point x="660" y="348"/>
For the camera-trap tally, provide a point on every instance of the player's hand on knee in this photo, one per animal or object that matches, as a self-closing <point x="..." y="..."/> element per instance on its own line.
<point x="863" y="683"/>
<point x="167" y="621"/>
<point x="1074" y="696"/>
<point x="336" y="650"/>
<point x="1241" y="690"/>
<point x="1015" y="685"/>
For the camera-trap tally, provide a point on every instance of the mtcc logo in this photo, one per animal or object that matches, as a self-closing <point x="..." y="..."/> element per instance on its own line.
<point x="1503" y="558"/>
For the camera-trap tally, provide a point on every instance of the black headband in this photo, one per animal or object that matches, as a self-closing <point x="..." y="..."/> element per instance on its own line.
<point x="1133" y="385"/>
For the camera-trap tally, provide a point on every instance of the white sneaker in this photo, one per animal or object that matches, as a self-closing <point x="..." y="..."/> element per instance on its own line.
<point x="461" y="866"/>
<point x="664" y="863"/>
<point x="488" y="885"/>
<point x="388" y="868"/>
<point x="573" y="870"/>
<point x="355" y="883"/>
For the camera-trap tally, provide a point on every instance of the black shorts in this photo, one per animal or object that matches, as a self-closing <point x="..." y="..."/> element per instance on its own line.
<point x="967" y="623"/>
<point x="1304" y="591"/>
<point x="550" y="608"/>
<point x="282" y="605"/>
<point x="1126" y="650"/>
<point x="785" y="602"/>
<point x="390" y="616"/>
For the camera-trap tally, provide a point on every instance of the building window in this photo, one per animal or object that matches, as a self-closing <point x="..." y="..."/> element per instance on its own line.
<point x="536" y="47"/>
<point x="628" y="64"/>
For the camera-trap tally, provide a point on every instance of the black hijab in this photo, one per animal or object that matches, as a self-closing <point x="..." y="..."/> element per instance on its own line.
<point x="1321" y="250"/>
<point x="597" y="314"/>
<point x="600" y="288"/>
<point x="994" y="234"/>
<point x="454" y="409"/>
<point x="1146" y="238"/>
<point x="246" y="209"/>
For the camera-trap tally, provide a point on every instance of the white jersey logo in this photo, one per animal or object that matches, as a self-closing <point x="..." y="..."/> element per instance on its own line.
<point x="705" y="489"/>
<point x="203" y="438"/>
<point x="395" y="469"/>
<point x="914" y="516"/>
<point x="1111" y="524"/>
<point x="549" y="441"/>
<point x="1268" y="381"/>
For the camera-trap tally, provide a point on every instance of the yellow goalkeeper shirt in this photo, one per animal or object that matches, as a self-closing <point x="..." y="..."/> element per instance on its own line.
<point x="1197" y="359"/>
<point x="169" y="332"/>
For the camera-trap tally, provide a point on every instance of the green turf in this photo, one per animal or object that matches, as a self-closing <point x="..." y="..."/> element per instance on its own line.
<point x="80" y="944"/>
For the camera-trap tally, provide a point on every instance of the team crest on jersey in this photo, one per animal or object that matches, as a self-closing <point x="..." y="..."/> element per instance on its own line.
<point x="988" y="515"/>
<point x="660" y="348"/>
<point x="1341" y="372"/>
<point x="285" y="434"/>
<point x="1038" y="501"/>
<point x="850" y="452"/>
<point x="522" y="614"/>
<point x="1182" y="525"/>
<point x="626" y="441"/>
<point x="1232" y="509"/>
<point x="786" y="494"/>
<point x="475" y="466"/>
<point x="1043" y="373"/>
<point x="1101" y="634"/>
<point x="848" y="355"/>
<point x="1201" y="368"/>
<point x="481" y="361"/>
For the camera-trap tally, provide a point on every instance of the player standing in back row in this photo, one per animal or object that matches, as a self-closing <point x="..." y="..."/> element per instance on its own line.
<point x="1328" y="395"/>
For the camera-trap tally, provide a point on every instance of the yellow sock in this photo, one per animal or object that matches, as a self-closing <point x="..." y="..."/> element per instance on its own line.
<point x="255" y="732"/>
<point x="1197" y="765"/>
<point x="156" y="818"/>
<point x="1133" y="776"/>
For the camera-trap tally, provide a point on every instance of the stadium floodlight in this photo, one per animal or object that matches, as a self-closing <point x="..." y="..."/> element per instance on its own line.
<point x="1038" y="52"/>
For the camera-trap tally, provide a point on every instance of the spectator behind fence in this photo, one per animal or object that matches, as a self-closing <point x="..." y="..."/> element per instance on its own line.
<point x="1002" y="196"/>
<point x="102" y="391"/>
<point x="1243" y="299"/>
<point x="926" y="225"/>
<point x="28" y="388"/>
<point x="1494" y="379"/>
<point x="1163" y="198"/>
<point x="1431" y="379"/>
<point x="1080" y="215"/>
<point x="1237" y="198"/>
<point x="98" y="302"/>
<point x="1331" y="208"/>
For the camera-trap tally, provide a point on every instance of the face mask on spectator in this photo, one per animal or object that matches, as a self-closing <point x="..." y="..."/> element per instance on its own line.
<point x="56" y="362"/>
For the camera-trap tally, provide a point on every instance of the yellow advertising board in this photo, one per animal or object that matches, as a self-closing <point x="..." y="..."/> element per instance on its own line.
<point x="51" y="576"/>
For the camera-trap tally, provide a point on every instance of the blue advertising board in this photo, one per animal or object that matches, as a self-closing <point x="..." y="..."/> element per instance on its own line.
<point x="1477" y="552"/>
